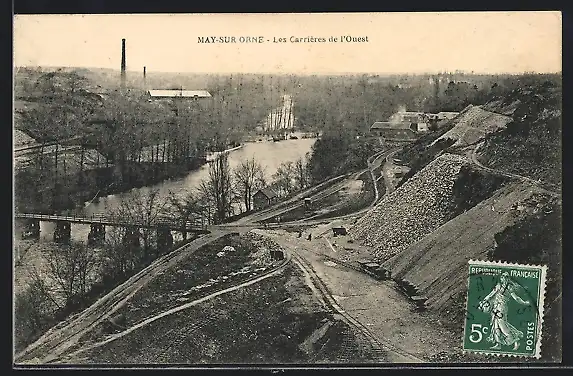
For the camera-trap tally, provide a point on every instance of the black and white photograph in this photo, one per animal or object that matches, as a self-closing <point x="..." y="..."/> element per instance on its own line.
<point x="275" y="189"/>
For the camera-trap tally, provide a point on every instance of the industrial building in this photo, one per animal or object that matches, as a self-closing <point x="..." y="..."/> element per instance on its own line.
<point x="394" y="131"/>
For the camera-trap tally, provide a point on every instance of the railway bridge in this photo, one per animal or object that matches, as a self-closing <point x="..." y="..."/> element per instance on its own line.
<point x="30" y="223"/>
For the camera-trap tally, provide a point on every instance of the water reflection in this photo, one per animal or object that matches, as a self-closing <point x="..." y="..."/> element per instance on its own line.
<point x="269" y="154"/>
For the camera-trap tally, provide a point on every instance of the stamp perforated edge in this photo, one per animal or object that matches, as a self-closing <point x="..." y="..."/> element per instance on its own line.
<point x="541" y="304"/>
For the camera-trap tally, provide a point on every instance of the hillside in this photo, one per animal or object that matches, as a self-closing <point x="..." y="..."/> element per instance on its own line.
<point x="531" y="145"/>
<point x="498" y="228"/>
<point x="520" y="124"/>
<point x="447" y="211"/>
<point x="473" y="125"/>
<point x="436" y="263"/>
<point x="415" y="209"/>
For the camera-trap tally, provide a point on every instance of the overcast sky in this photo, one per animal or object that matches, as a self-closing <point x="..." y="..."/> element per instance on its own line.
<point x="490" y="42"/>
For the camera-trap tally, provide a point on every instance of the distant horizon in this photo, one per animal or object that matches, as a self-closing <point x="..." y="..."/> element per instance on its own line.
<point x="385" y="74"/>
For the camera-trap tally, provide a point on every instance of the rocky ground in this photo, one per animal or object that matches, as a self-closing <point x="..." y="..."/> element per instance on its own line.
<point x="414" y="210"/>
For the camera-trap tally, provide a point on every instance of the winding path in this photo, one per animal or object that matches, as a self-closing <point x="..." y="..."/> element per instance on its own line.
<point x="269" y="273"/>
<point x="57" y="341"/>
<point x="524" y="179"/>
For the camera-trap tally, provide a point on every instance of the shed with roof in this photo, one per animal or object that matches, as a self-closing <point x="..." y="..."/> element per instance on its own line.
<point x="264" y="198"/>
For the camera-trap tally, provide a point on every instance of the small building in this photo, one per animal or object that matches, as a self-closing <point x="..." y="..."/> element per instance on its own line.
<point x="410" y="116"/>
<point x="418" y="121"/>
<point x="178" y="100"/>
<point x="393" y="131"/>
<point x="264" y="198"/>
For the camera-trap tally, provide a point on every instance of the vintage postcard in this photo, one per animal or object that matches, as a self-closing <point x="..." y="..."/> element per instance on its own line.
<point x="275" y="189"/>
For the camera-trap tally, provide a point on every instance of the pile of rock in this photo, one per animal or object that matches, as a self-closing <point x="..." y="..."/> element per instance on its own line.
<point x="261" y="241"/>
<point x="473" y="125"/>
<point x="414" y="210"/>
<point x="268" y="250"/>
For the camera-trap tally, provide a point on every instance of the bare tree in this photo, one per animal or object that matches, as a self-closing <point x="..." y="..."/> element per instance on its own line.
<point x="217" y="188"/>
<point x="43" y="290"/>
<point x="118" y="259"/>
<point x="183" y="209"/>
<point x="284" y="177"/>
<point x="71" y="268"/>
<point x="33" y="312"/>
<point x="301" y="173"/>
<point x="249" y="177"/>
<point x="143" y="211"/>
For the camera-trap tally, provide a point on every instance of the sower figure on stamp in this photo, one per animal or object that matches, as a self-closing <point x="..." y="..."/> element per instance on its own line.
<point x="496" y="303"/>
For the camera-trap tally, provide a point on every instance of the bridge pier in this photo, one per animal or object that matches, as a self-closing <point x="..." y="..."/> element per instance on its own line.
<point x="131" y="238"/>
<point x="63" y="232"/>
<point x="164" y="238"/>
<point x="97" y="234"/>
<point x="31" y="229"/>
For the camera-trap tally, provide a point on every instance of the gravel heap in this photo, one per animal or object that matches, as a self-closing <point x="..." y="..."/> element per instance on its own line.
<point x="415" y="209"/>
<point x="473" y="125"/>
<point x="264" y="245"/>
<point x="261" y="241"/>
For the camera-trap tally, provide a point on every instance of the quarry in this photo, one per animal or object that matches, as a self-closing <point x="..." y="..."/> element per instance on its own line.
<point x="206" y="219"/>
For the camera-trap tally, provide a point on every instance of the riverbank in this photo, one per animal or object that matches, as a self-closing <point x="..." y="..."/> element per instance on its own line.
<point x="268" y="138"/>
<point x="214" y="155"/>
<point x="88" y="186"/>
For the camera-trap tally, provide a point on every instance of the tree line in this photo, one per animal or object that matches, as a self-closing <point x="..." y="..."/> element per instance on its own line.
<point x="76" y="274"/>
<point x="128" y="132"/>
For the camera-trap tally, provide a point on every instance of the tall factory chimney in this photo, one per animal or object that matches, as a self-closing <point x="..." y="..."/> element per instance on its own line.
<point x="123" y="64"/>
<point x="144" y="80"/>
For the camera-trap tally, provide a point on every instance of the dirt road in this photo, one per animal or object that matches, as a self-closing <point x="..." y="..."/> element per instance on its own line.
<point x="66" y="334"/>
<point x="150" y="320"/>
<point x="378" y="305"/>
<point x="552" y="191"/>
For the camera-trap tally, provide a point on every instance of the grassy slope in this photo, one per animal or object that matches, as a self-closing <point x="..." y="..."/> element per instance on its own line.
<point x="262" y="323"/>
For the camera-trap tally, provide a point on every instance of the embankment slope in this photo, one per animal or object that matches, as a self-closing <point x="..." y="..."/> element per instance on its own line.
<point x="437" y="263"/>
<point x="415" y="209"/>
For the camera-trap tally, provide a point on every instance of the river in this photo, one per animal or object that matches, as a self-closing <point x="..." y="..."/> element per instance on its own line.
<point x="270" y="154"/>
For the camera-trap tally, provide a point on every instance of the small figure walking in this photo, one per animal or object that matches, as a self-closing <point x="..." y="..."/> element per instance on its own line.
<point x="309" y="237"/>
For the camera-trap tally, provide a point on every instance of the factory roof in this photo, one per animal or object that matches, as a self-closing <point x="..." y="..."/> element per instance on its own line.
<point x="405" y="134"/>
<point x="179" y="93"/>
<point x="390" y="125"/>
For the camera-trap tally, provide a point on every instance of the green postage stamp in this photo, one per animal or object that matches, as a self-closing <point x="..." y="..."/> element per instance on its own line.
<point x="504" y="309"/>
